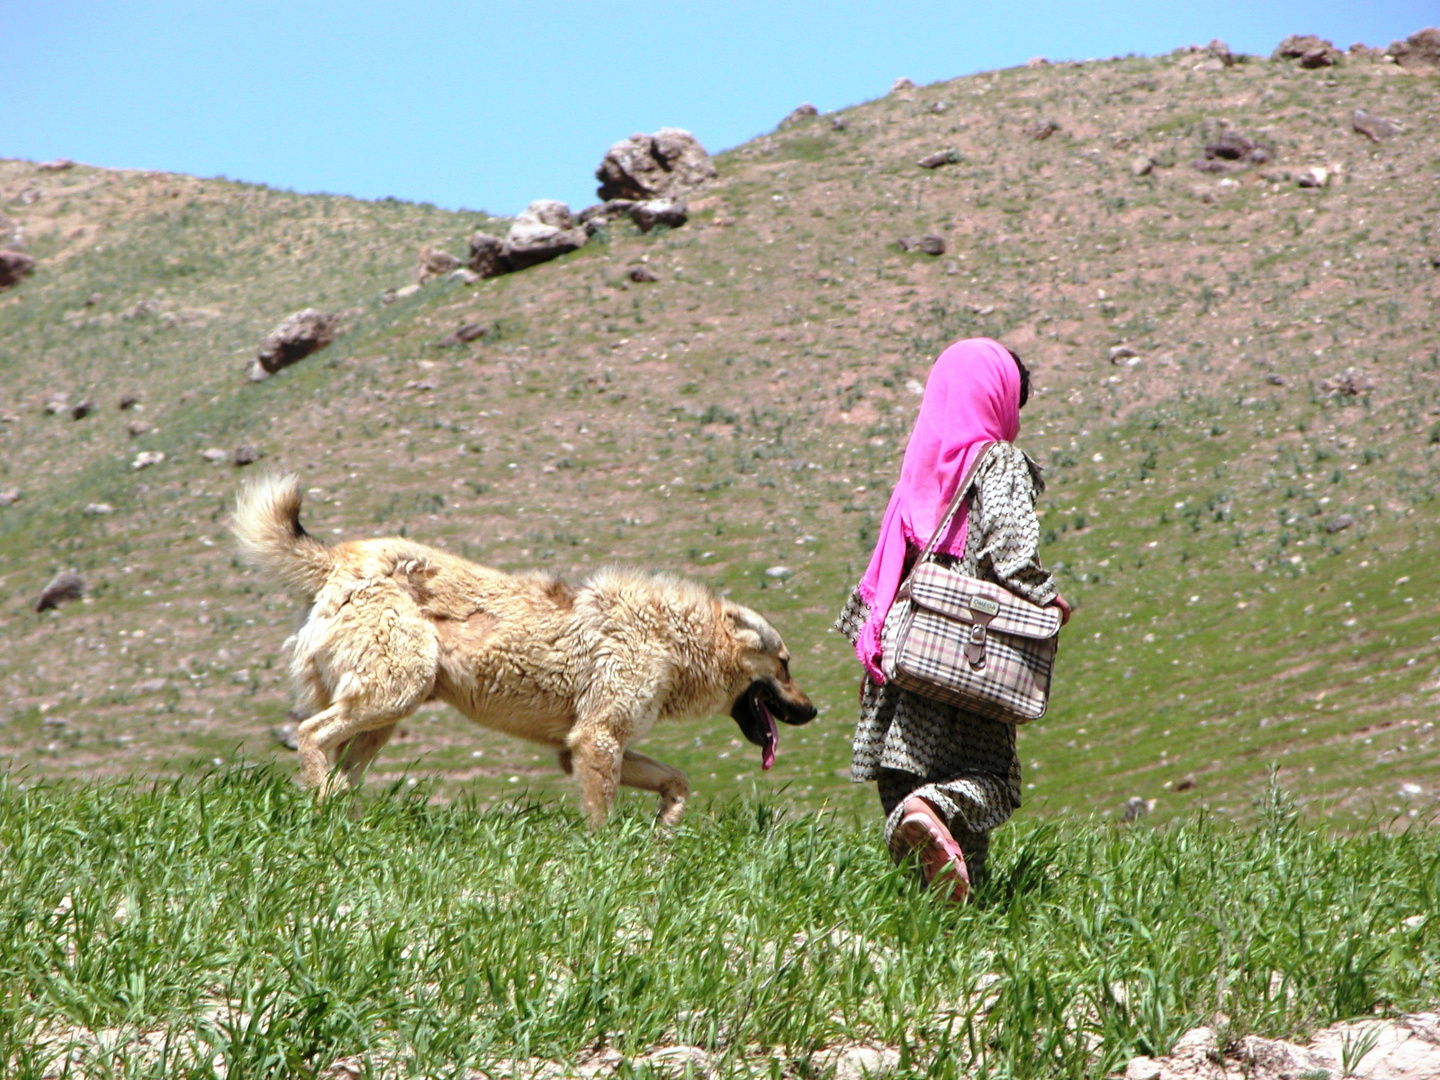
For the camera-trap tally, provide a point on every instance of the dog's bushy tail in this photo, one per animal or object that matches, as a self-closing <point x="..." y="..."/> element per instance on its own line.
<point x="267" y="526"/>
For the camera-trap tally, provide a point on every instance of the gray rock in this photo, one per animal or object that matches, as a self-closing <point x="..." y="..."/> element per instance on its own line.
<point x="243" y="455"/>
<point x="487" y="255"/>
<point x="641" y="273"/>
<point x="837" y="123"/>
<point x="57" y="403"/>
<point x="1120" y="353"/>
<point x="296" y="337"/>
<point x="1317" y="176"/>
<point x="433" y="264"/>
<point x="98" y="509"/>
<point x="939" y="158"/>
<point x="652" y="212"/>
<point x="82" y="409"/>
<point x="1220" y="51"/>
<point x="284" y="734"/>
<point x="1340" y="523"/>
<point x="1041" y="130"/>
<point x="1232" y="146"/>
<point x="1142" y="166"/>
<point x="1311" y="51"/>
<point x="14" y="265"/>
<point x="1375" y="128"/>
<point x="58" y="165"/>
<point x="9" y="496"/>
<point x="901" y="84"/>
<point x="128" y="401"/>
<point x="803" y="112"/>
<point x="931" y="244"/>
<point x="601" y="214"/>
<point x="64" y="587"/>
<point x="466" y="332"/>
<point x="542" y="231"/>
<point x="1349" y="383"/>
<point x="215" y="455"/>
<point x="1420" y="52"/>
<point x="667" y="164"/>
<point x="146" y="458"/>
<point x="1135" y="808"/>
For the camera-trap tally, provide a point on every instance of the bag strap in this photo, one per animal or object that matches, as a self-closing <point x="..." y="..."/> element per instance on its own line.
<point x="961" y="491"/>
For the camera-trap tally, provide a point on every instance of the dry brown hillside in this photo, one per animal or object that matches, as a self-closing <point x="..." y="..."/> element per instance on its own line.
<point x="1243" y="508"/>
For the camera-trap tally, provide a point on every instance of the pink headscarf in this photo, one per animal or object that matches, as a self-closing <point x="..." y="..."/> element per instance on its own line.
<point x="972" y="397"/>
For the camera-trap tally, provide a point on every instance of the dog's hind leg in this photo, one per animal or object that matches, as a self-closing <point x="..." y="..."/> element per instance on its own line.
<point x="355" y="756"/>
<point x="647" y="774"/>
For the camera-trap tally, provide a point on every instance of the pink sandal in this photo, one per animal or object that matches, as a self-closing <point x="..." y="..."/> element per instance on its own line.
<point x="941" y="861"/>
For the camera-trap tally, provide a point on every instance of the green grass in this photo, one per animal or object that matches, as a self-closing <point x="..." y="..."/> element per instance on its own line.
<point x="225" y="926"/>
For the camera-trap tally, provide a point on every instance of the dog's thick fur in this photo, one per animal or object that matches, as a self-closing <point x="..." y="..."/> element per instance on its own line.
<point x="585" y="669"/>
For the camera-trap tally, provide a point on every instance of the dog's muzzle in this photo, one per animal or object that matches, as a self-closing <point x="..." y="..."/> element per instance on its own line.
<point x="756" y="711"/>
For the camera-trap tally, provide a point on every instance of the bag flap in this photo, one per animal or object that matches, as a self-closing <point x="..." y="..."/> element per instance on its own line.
<point x="950" y="593"/>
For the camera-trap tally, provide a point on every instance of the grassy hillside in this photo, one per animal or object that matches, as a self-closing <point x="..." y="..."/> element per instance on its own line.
<point x="225" y="927"/>
<point x="748" y="410"/>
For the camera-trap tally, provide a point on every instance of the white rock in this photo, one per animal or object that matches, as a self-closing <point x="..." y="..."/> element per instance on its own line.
<point x="97" y="509"/>
<point x="146" y="458"/>
<point x="780" y="572"/>
<point x="1143" y="1068"/>
<point x="215" y="455"/>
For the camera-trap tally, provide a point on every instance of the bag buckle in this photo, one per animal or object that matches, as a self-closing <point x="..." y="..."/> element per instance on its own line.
<point x="982" y="610"/>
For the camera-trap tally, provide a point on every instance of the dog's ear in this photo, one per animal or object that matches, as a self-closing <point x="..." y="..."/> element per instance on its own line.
<point x="751" y="629"/>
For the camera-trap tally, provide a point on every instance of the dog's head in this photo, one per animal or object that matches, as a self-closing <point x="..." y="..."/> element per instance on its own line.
<point x="764" y="691"/>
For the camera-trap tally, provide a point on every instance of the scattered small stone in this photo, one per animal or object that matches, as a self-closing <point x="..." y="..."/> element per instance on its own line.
<point x="952" y="267"/>
<point x="837" y="123"/>
<point x="1311" y="51"/>
<point x="466" y="332"/>
<point x="297" y="336"/>
<point x="1143" y="1068"/>
<point x="82" y="409"/>
<point x="940" y="108"/>
<point x="1375" y="128"/>
<point x="284" y="734"/>
<point x="9" y="496"/>
<point x="152" y="686"/>
<point x="1420" y="52"/>
<point x="215" y="455"/>
<point x="136" y="428"/>
<point x="1275" y="380"/>
<point x="243" y="455"/>
<point x="1143" y="165"/>
<point x="1317" y="176"/>
<point x="668" y="164"/>
<point x="931" y="244"/>
<point x="901" y="84"/>
<point x="146" y="458"/>
<point x="57" y="403"/>
<point x="802" y="112"/>
<point x="128" y="401"/>
<point x="1120" y="353"/>
<point x="1340" y="523"/>
<point x="1232" y="146"/>
<point x="465" y="276"/>
<point x="98" y="509"/>
<point x="14" y="265"/>
<point x="93" y="299"/>
<point x="487" y="255"/>
<point x="1187" y="783"/>
<point x="641" y="273"/>
<point x="1041" y="130"/>
<point x="1350" y="383"/>
<point x="938" y="158"/>
<point x="1135" y="808"/>
<point x="64" y="587"/>
<point x="58" y="165"/>
<point x="780" y="573"/>
<point x="668" y="212"/>
<point x="433" y="264"/>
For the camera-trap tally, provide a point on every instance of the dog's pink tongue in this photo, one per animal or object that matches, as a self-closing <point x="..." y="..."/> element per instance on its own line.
<point x="772" y="739"/>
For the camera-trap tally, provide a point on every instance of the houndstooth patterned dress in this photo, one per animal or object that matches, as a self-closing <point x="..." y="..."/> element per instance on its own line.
<point x="963" y="764"/>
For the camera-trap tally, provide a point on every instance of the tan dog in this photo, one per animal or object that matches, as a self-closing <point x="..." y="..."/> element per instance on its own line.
<point x="588" y="669"/>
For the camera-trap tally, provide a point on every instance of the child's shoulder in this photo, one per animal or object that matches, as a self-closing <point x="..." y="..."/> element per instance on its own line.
<point x="1008" y="460"/>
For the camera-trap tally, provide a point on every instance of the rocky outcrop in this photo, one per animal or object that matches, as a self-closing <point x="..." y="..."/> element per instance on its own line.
<point x="1375" y="128"/>
<point x="544" y="230"/>
<point x="296" y="337"/>
<point x="1041" y="130"/>
<point x="487" y="255"/>
<point x="802" y="112"/>
<point x="14" y="265"/>
<point x="1230" y="151"/>
<point x="1420" y="52"/>
<point x="668" y="164"/>
<point x="1311" y="51"/>
<point x="939" y="158"/>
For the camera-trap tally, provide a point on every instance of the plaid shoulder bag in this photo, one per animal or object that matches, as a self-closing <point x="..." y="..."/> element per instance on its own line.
<point x="967" y="642"/>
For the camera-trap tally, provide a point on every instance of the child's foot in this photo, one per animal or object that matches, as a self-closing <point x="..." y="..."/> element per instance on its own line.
<point x="922" y="831"/>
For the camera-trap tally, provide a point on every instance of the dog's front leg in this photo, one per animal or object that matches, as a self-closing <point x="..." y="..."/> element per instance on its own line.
<point x="595" y="755"/>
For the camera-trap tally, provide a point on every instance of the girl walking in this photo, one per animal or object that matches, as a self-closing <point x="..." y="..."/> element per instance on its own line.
<point x="947" y="777"/>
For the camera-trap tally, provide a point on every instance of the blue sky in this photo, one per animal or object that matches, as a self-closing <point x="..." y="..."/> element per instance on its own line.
<point x="490" y="105"/>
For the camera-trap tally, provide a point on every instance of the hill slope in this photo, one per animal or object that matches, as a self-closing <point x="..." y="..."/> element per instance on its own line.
<point x="748" y="410"/>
